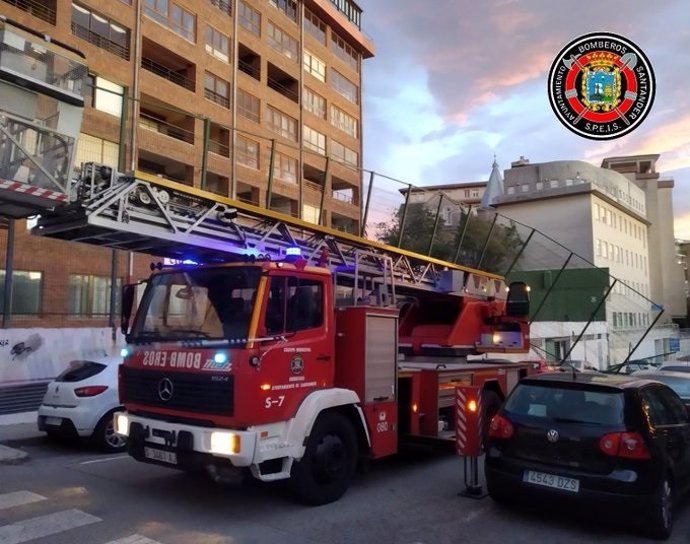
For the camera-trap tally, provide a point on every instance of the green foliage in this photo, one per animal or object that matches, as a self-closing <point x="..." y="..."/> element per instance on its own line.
<point x="482" y="243"/>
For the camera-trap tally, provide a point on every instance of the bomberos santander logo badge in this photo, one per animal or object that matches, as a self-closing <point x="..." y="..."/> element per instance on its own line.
<point x="601" y="86"/>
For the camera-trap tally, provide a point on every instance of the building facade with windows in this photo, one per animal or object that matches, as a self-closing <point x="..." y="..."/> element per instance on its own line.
<point x="258" y="100"/>
<point x="612" y="221"/>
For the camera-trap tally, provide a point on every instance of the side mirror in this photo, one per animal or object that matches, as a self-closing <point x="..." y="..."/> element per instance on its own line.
<point x="128" y="292"/>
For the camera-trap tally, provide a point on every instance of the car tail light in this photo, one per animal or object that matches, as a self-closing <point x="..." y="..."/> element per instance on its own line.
<point x="90" y="390"/>
<point x="627" y="445"/>
<point x="500" y="427"/>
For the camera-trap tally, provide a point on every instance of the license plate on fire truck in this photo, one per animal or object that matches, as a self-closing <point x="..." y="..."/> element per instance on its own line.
<point x="160" y="455"/>
<point x="551" y="480"/>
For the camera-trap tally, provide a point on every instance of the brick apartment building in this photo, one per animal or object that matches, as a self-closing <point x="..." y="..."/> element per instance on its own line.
<point x="259" y="100"/>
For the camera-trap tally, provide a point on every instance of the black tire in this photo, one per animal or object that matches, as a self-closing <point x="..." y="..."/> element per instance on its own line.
<point x="499" y="497"/>
<point x="104" y="437"/>
<point x="661" y="516"/>
<point x="491" y="402"/>
<point x="328" y="466"/>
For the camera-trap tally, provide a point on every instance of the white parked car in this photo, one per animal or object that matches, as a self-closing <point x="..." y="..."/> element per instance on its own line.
<point x="80" y="403"/>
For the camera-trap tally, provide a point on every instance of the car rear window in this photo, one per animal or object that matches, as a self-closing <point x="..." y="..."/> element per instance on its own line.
<point x="567" y="403"/>
<point x="676" y="368"/>
<point x="80" y="370"/>
<point x="680" y="385"/>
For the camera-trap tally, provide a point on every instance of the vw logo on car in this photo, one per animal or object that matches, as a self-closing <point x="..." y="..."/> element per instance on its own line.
<point x="165" y="389"/>
<point x="552" y="435"/>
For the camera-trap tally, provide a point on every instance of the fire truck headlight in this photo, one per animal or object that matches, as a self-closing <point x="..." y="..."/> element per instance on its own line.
<point x="122" y="424"/>
<point x="225" y="443"/>
<point x="497" y="338"/>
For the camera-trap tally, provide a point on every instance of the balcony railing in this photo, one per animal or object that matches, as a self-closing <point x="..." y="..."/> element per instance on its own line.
<point x="247" y="68"/>
<point x="282" y="89"/>
<point x="173" y="131"/>
<point x="222" y="5"/>
<point x="38" y="9"/>
<point x="99" y="41"/>
<point x="219" y="148"/>
<point x="218" y="98"/>
<point x="167" y="73"/>
<point x="343" y="197"/>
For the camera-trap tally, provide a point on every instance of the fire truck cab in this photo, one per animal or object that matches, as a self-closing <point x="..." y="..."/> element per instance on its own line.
<point x="270" y="365"/>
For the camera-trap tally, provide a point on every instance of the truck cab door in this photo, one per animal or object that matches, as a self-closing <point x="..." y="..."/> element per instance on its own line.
<point x="298" y="357"/>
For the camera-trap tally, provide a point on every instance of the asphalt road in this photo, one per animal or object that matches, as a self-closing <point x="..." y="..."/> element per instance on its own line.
<point x="67" y="494"/>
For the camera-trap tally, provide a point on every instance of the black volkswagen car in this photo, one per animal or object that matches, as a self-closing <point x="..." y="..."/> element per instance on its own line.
<point x="616" y="444"/>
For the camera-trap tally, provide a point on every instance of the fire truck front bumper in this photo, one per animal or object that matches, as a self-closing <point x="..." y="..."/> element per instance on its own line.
<point x="187" y="447"/>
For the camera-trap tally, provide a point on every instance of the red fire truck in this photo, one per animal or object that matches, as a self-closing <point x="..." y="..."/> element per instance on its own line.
<point x="295" y="350"/>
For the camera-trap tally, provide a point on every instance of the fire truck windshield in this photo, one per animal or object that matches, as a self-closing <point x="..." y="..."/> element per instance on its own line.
<point x="197" y="303"/>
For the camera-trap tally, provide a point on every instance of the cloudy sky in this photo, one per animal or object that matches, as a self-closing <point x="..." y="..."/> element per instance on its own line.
<point x="454" y="82"/>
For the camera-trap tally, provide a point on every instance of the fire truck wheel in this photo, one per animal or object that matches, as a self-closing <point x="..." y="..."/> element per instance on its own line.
<point x="330" y="459"/>
<point x="105" y="438"/>
<point x="491" y="402"/>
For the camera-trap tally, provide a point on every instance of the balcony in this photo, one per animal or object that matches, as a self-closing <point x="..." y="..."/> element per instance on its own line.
<point x="44" y="10"/>
<point x="151" y="122"/>
<point x="219" y="140"/>
<point x="249" y="62"/>
<point x="167" y="65"/>
<point x="99" y="41"/>
<point x="171" y="75"/>
<point x="283" y="83"/>
<point x="165" y="167"/>
<point x="223" y="6"/>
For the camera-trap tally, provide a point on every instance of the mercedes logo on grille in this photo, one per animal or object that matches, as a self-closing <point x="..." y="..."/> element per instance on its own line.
<point x="165" y="389"/>
<point x="552" y="435"/>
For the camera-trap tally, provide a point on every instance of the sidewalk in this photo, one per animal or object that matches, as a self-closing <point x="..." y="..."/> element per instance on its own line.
<point x="14" y="428"/>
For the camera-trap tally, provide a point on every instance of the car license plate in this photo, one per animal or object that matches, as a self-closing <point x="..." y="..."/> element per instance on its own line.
<point x="160" y="455"/>
<point x="57" y="421"/>
<point x="551" y="480"/>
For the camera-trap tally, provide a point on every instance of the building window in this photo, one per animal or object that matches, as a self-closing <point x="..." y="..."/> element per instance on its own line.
<point x="217" y="44"/>
<point x="350" y="10"/>
<point x="90" y="295"/>
<point x="248" y="106"/>
<point x="247" y="152"/>
<point x="282" y="42"/>
<point x="281" y="123"/>
<point x="27" y="287"/>
<point x="249" y="18"/>
<point x="315" y="26"/>
<point x="288" y="7"/>
<point x="310" y="213"/>
<point x="344" y="51"/>
<point x="344" y="154"/>
<point x="104" y="95"/>
<point x="314" y="140"/>
<point x="315" y="66"/>
<point x="285" y="168"/>
<point x="344" y="86"/>
<point x="100" y="31"/>
<point x="314" y="103"/>
<point x="93" y="149"/>
<point x="175" y="17"/>
<point x="216" y="90"/>
<point x="344" y="121"/>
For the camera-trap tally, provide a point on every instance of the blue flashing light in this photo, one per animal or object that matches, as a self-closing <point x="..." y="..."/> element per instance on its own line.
<point x="189" y="261"/>
<point x="293" y="252"/>
<point x="220" y="358"/>
<point x="124" y="352"/>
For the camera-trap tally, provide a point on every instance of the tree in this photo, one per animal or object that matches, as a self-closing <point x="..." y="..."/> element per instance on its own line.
<point x="477" y="241"/>
<point x="419" y="227"/>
